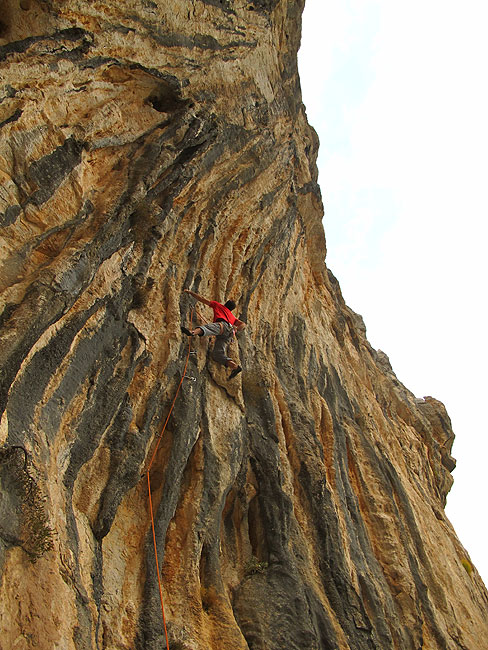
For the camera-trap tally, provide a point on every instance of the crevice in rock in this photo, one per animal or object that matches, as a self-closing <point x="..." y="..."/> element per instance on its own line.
<point x="257" y="532"/>
<point x="13" y="118"/>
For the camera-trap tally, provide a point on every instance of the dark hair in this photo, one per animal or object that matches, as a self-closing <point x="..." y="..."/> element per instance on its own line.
<point x="230" y="304"/>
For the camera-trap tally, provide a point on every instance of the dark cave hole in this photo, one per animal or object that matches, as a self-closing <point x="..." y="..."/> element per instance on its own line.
<point x="165" y="100"/>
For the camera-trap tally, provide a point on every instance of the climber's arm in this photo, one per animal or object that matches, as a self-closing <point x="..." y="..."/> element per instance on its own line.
<point x="197" y="297"/>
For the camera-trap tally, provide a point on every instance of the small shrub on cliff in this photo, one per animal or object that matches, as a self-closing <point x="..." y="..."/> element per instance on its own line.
<point x="467" y="565"/>
<point x="178" y="645"/>
<point x="255" y="566"/>
<point x="36" y="535"/>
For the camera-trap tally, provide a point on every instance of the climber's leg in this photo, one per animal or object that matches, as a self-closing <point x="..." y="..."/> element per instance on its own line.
<point x="204" y="330"/>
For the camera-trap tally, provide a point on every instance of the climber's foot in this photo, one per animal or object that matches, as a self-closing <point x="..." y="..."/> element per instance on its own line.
<point x="235" y="372"/>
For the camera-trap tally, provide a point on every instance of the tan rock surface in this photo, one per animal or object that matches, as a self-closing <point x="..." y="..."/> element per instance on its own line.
<point x="146" y="147"/>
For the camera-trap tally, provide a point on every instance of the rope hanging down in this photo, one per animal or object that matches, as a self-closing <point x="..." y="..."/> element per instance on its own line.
<point x="149" y="486"/>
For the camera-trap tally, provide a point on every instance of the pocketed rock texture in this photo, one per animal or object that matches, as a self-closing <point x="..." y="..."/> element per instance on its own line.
<point x="147" y="147"/>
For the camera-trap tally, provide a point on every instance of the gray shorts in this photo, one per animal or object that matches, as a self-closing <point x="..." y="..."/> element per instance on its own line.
<point x="222" y="340"/>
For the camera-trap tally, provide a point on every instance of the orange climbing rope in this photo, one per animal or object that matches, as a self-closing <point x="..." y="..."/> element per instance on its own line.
<point x="157" y="562"/>
<point x="149" y="487"/>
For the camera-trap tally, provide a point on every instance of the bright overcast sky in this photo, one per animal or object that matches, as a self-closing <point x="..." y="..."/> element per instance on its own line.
<point x="398" y="94"/>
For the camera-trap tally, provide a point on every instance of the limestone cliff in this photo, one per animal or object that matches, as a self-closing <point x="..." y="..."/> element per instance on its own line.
<point x="147" y="147"/>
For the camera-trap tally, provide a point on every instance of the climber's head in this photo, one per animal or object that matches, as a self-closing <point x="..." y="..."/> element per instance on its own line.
<point x="230" y="304"/>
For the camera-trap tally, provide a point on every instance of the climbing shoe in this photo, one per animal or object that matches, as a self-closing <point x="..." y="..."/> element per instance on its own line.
<point x="235" y="372"/>
<point x="186" y="331"/>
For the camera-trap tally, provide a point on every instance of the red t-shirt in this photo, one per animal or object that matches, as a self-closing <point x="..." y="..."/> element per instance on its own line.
<point x="222" y="312"/>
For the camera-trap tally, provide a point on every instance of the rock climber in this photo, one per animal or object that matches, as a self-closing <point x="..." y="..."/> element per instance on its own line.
<point x="224" y="326"/>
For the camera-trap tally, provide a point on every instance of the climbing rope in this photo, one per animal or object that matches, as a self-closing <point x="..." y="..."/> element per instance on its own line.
<point x="160" y="437"/>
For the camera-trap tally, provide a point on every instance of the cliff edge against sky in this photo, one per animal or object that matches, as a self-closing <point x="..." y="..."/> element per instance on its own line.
<point x="147" y="147"/>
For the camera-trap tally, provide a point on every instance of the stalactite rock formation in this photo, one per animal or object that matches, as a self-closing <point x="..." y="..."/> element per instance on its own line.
<point x="147" y="147"/>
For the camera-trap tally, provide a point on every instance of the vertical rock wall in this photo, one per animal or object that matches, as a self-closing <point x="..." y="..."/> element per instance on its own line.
<point x="147" y="147"/>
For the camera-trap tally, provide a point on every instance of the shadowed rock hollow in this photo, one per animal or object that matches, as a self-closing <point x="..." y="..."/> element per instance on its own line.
<point x="147" y="147"/>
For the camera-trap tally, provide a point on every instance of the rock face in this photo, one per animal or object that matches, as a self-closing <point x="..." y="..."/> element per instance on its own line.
<point x="147" y="147"/>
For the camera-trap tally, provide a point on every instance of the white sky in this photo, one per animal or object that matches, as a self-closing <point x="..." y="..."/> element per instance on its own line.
<point x="398" y="94"/>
